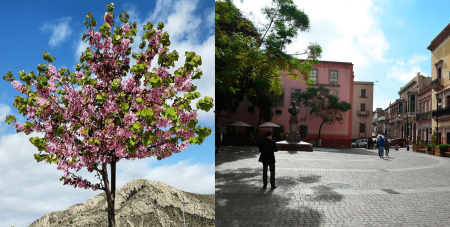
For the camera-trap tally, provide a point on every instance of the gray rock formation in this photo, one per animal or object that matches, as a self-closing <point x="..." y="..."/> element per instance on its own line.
<point x="139" y="203"/>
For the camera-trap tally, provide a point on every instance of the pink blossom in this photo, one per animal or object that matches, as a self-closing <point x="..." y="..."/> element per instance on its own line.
<point x="163" y="72"/>
<point x="52" y="70"/>
<point x="19" y="86"/>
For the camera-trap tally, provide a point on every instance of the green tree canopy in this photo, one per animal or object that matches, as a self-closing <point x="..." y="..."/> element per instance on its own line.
<point x="323" y="105"/>
<point x="249" y="62"/>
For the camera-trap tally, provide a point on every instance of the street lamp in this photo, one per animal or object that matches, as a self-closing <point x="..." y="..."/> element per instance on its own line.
<point x="184" y="220"/>
<point x="407" y="129"/>
<point x="438" y="103"/>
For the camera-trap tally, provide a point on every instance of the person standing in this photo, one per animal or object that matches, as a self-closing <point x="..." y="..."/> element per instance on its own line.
<point x="387" y="146"/>
<point x="381" y="145"/>
<point x="267" y="147"/>
<point x="357" y="141"/>
<point x="369" y="143"/>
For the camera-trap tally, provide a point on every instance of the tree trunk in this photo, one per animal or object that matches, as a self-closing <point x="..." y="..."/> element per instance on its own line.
<point x="318" y="137"/>
<point x="109" y="197"/>
<point x="217" y="117"/>
<point x="259" y="123"/>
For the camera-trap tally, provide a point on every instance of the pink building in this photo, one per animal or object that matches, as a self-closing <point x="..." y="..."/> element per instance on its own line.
<point x="362" y="109"/>
<point x="336" y="76"/>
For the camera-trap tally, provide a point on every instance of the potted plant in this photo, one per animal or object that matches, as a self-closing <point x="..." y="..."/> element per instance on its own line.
<point x="420" y="147"/>
<point x="430" y="149"/>
<point x="442" y="149"/>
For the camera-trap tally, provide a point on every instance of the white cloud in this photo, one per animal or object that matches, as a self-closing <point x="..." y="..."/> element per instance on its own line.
<point x="347" y="31"/>
<point x="30" y="189"/>
<point x="198" y="178"/>
<point x="4" y="111"/>
<point x="405" y="71"/>
<point x="399" y="22"/>
<point x="59" y="28"/>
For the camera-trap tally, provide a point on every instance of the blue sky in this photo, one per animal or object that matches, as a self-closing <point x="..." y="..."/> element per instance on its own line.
<point x="31" y="190"/>
<point x="386" y="40"/>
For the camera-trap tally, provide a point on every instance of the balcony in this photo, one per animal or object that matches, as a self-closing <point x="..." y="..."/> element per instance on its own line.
<point x="443" y="113"/>
<point x="423" y="116"/>
<point x="362" y="135"/>
<point x="362" y="113"/>
<point x="437" y="84"/>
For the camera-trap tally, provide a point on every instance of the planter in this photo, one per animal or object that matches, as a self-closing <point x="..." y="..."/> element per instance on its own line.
<point x="443" y="154"/>
<point x="436" y="151"/>
<point x="431" y="152"/>
<point x="414" y="148"/>
<point x="421" y="148"/>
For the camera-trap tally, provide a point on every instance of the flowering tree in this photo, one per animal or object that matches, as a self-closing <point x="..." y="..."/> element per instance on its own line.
<point x="100" y="114"/>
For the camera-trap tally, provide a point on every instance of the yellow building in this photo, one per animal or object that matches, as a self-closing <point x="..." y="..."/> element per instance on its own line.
<point x="440" y="68"/>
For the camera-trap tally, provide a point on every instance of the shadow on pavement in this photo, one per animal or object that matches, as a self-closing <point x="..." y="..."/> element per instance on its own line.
<point x="351" y="151"/>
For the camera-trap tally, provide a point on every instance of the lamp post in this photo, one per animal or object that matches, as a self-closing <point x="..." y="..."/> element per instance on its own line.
<point x="184" y="220"/>
<point x="438" y="102"/>
<point x="407" y="129"/>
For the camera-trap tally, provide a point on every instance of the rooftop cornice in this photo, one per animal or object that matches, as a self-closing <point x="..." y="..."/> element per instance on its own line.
<point x="444" y="34"/>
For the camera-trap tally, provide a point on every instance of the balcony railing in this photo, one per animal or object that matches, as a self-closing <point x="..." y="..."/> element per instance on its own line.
<point x="441" y="112"/>
<point x="362" y="135"/>
<point x="363" y="113"/>
<point x="437" y="84"/>
<point x="423" y="116"/>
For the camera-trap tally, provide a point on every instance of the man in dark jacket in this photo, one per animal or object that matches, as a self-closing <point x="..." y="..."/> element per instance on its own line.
<point x="267" y="157"/>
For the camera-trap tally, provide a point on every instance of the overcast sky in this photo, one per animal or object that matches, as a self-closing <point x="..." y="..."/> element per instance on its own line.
<point x="29" y="190"/>
<point x="386" y="40"/>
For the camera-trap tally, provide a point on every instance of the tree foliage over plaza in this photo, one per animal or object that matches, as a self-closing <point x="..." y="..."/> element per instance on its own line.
<point x="324" y="106"/>
<point x="109" y="110"/>
<point x="249" y="62"/>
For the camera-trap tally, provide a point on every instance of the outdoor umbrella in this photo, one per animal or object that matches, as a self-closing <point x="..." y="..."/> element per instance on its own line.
<point x="269" y="125"/>
<point x="241" y="124"/>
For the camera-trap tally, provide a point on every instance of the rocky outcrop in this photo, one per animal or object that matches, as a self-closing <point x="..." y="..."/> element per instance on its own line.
<point x="139" y="203"/>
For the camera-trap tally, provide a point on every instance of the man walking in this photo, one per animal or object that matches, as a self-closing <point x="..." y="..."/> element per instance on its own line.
<point x="381" y="145"/>
<point x="387" y="146"/>
<point x="267" y="147"/>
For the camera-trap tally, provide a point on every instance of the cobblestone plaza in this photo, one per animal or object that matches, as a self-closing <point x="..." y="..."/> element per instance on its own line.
<point x="333" y="187"/>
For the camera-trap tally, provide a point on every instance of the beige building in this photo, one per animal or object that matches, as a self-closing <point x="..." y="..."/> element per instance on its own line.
<point x="440" y="67"/>
<point x="362" y="109"/>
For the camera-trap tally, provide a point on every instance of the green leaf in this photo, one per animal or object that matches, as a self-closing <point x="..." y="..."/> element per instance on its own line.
<point x="115" y="84"/>
<point x="62" y="178"/>
<point x="136" y="126"/>
<point x="171" y="111"/>
<point x="60" y="131"/>
<point x="125" y="108"/>
<point x="85" y="130"/>
<point x="192" y="123"/>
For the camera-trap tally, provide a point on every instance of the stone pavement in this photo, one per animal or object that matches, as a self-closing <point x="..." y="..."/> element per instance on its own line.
<point x="333" y="187"/>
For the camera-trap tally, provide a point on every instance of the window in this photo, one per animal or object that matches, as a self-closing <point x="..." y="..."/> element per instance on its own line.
<point x="334" y="77"/>
<point x="250" y="109"/>
<point x="313" y="75"/>
<point x="232" y="109"/>
<point x="363" y="93"/>
<point x="303" y="132"/>
<point x="412" y="104"/>
<point x="363" y="107"/>
<point x="334" y="92"/>
<point x="295" y="93"/>
<point x="362" y="128"/>
<point x="280" y="99"/>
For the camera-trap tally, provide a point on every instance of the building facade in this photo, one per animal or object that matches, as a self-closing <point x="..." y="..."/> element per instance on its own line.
<point x="336" y="76"/>
<point x="440" y="67"/>
<point x="424" y="115"/>
<point x="362" y="109"/>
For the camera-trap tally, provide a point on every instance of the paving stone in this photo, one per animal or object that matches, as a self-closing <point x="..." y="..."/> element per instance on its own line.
<point x="333" y="187"/>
